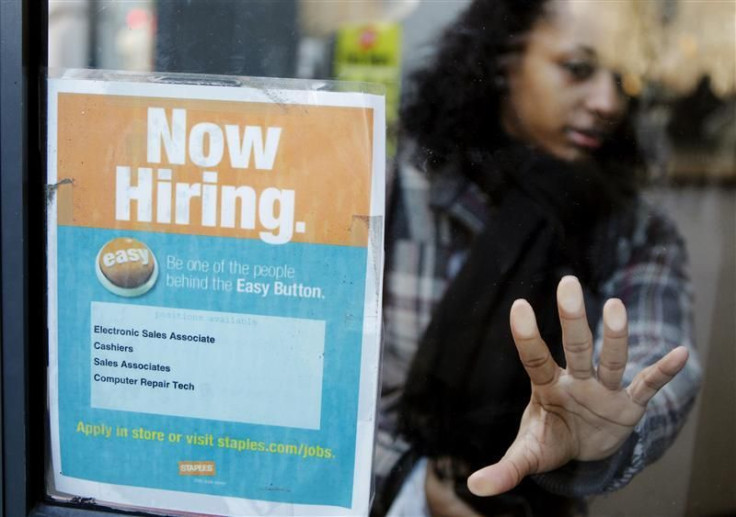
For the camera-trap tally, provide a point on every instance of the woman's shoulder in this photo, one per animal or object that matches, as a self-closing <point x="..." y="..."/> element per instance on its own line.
<point x="653" y="226"/>
<point x="409" y="194"/>
<point x="653" y="251"/>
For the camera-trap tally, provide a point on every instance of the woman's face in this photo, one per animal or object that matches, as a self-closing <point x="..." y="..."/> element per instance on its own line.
<point x="560" y="97"/>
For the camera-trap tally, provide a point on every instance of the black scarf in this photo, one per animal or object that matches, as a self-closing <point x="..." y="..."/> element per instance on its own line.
<point x="466" y="389"/>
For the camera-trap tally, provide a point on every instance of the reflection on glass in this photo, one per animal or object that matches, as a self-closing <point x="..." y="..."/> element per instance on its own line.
<point x="674" y="59"/>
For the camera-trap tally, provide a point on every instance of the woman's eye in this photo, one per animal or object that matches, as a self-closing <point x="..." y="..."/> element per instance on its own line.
<point x="579" y="70"/>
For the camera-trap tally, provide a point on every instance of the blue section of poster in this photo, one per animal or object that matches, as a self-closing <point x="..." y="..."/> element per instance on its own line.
<point x="234" y="372"/>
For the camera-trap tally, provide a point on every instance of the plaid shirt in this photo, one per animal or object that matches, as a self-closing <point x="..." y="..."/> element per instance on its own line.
<point x="650" y="278"/>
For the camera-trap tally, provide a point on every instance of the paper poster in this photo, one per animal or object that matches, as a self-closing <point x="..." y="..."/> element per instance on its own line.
<point x="214" y="294"/>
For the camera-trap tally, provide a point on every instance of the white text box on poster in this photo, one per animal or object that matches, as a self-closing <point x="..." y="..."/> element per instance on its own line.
<point x="203" y="364"/>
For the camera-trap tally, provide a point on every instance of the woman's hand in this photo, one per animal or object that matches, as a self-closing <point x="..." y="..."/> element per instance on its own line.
<point x="576" y="413"/>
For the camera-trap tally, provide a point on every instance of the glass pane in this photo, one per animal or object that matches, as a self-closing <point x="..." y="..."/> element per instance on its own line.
<point x="546" y="138"/>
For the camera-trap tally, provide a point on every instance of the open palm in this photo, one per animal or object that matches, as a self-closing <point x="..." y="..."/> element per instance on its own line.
<point x="576" y="413"/>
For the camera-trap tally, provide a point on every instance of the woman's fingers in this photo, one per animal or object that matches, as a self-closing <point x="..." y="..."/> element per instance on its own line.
<point x="614" y="353"/>
<point x="498" y="478"/>
<point x="533" y="352"/>
<point x="517" y="463"/>
<point x="652" y="378"/>
<point x="577" y="339"/>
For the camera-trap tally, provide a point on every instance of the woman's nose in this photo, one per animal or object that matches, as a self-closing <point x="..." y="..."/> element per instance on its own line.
<point x="604" y="97"/>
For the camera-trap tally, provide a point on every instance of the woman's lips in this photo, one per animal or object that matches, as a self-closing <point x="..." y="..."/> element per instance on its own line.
<point x="584" y="138"/>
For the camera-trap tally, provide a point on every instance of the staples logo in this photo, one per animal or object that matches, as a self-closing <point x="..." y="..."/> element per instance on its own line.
<point x="197" y="468"/>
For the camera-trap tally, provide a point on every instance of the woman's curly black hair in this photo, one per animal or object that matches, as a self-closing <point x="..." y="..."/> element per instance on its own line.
<point x="453" y="104"/>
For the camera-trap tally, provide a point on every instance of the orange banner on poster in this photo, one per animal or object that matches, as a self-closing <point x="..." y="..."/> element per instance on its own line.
<point x="266" y="171"/>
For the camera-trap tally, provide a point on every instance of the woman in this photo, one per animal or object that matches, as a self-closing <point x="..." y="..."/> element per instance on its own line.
<point x="517" y="176"/>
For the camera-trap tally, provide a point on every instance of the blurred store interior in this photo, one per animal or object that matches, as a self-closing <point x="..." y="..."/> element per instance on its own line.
<point x="680" y="62"/>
